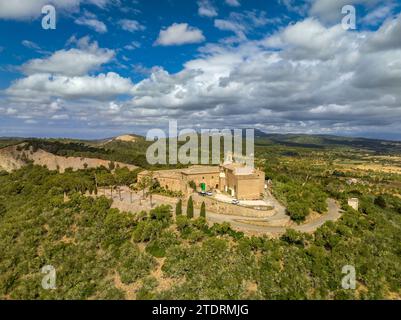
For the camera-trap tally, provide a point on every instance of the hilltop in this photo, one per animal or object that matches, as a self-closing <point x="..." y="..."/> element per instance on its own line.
<point x="119" y="243"/>
<point x="16" y="156"/>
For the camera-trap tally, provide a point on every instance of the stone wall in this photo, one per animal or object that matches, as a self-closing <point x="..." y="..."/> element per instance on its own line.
<point x="229" y="209"/>
<point x="166" y="200"/>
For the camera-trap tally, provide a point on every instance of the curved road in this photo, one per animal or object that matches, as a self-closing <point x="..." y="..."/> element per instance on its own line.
<point x="274" y="225"/>
<point x="237" y="222"/>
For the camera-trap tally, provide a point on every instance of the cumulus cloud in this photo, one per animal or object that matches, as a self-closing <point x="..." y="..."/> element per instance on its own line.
<point x="73" y="62"/>
<point x="23" y="9"/>
<point x="206" y="9"/>
<point x="178" y="34"/>
<point x="307" y="78"/>
<point x="100" y="87"/>
<point x="65" y="74"/>
<point x="330" y="11"/>
<point x="387" y="37"/>
<point x="309" y="40"/>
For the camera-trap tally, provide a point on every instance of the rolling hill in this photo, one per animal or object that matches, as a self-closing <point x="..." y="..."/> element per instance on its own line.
<point x="130" y="150"/>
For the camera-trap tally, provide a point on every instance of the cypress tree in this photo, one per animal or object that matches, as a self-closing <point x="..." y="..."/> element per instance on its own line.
<point x="190" y="208"/>
<point x="203" y="210"/>
<point x="178" y="208"/>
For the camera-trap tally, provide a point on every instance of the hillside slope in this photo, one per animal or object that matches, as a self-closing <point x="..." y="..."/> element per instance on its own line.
<point x="15" y="157"/>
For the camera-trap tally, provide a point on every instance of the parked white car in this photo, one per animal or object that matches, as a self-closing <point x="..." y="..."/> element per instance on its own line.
<point x="209" y="193"/>
<point x="235" y="201"/>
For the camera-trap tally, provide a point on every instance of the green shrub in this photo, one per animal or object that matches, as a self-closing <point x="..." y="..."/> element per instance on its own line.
<point x="133" y="264"/>
<point x="298" y="211"/>
<point x="162" y="213"/>
<point x="294" y="237"/>
<point x="380" y="201"/>
<point x="147" y="230"/>
<point x="159" y="246"/>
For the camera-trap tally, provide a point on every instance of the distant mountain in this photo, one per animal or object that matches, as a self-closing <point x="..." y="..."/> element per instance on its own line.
<point x="329" y="141"/>
<point x="260" y="134"/>
<point x="124" y="143"/>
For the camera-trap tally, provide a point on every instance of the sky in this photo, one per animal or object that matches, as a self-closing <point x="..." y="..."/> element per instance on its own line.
<point x="112" y="67"/>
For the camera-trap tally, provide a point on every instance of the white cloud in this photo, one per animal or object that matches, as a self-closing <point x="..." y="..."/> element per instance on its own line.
<point x="178" y="34"/>
<point x="90" y="20"/>
<point x="65" y="75"/>
<point x="131" y="25"/>
<point x="307" y="78"/>
<point x="309" y="39"/>
<point x="377" y="16"/>
<point x="132" y="46"/>
<point x="233" y="3"/>
<point x="99" y="3"/>
<point x="45" y="85"/>
<point x="387" y="37"/>
<point x="28" y="9"/>
<point x="73" y="62"/>
<point x="206" y="9"/>
<point x="227" y="25"/>
<point x="242" y="23"/>
<point x="299" y="7"/>
<point x="330" y="11"/>
<point x="22" y="9"/>
<point x="30" y="44"/>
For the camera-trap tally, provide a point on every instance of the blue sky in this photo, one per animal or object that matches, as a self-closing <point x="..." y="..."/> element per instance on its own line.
<point x="152" y="14"/>
<point x="114" y="66"/>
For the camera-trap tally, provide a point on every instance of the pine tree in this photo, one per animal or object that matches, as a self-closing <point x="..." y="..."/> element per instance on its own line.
<point x="178" y="208"/>
<point x="203" y="210"/>
<point x="190" y="208"/>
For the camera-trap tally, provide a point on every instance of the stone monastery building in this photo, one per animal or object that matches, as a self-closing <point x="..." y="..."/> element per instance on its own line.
<point x="238" y="180"/>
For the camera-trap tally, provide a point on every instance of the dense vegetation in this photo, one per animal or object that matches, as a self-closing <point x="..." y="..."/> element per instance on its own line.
<point x="118" y="151"/>
<point x="101" y="253"/>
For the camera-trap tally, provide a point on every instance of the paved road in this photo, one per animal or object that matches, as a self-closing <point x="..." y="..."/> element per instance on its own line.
<point x="279" y="222"/>
<point x="238" y="223"/>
